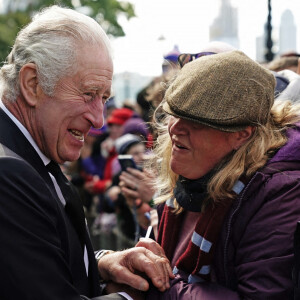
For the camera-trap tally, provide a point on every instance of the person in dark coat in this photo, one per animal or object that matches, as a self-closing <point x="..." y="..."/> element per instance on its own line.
<point x="229" y="181"/>
<point x="53" y="88"/>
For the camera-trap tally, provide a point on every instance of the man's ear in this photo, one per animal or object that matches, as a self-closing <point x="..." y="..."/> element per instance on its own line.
<point x="298" y="68"/>
<point x="241" y="137"/>
<point x="28" y="83"/>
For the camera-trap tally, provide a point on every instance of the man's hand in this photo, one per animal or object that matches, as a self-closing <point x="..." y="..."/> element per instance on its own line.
<point x="132" y="266"/>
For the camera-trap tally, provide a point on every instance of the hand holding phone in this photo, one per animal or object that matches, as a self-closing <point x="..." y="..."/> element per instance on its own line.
<point x="126" y="161"/>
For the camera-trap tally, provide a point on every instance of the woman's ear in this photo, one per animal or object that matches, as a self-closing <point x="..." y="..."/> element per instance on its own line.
<point x="28" y="83"/>
<point x="241" y="137"/>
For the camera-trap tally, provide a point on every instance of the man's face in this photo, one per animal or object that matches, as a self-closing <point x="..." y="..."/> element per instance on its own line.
<point x="62" y="122"/>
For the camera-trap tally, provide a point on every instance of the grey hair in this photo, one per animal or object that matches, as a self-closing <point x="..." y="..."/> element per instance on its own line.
<point x="50" y="42"/>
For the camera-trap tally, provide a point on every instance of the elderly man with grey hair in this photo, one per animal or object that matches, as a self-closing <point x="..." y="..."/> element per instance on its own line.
<point x="53" y="89"/>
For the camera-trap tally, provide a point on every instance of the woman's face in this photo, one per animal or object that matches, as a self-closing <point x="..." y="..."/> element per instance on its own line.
<point x="196" y="148"/>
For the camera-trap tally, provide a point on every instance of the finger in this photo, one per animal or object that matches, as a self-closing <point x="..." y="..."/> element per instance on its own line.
<point x="133" y="280"/>
<point x="159" y="251"/>
<point x="120" y="267"/>
<point x="161" y="261"/>
<point x="127" y="176"/>
<point x="163" y="265"/>
<point x="156" y="268"/>
<point x="129" y="180"/>
<point x="129" y="192"/>
<point x="136" y="173"/>
<point x="151" y="245"/>
<point x="143" y="260"/>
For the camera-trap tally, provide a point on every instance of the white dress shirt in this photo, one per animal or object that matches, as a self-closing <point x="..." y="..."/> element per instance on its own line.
<point x="45" y="160"/>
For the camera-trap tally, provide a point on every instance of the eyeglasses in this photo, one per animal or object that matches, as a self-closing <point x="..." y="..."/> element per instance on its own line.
<point x="185" y="58"/>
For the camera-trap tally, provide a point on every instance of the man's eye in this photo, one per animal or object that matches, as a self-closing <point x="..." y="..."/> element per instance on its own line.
<point x="90" y="96"/>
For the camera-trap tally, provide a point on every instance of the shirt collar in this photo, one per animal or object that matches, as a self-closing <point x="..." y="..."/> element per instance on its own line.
<point x="26" y="133"/>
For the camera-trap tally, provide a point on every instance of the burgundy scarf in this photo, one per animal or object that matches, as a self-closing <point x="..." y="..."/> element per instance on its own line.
<point x="198" y="256"/>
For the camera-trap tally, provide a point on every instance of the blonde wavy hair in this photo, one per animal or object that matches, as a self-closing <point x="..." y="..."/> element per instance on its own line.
<point x="253" y="155"/>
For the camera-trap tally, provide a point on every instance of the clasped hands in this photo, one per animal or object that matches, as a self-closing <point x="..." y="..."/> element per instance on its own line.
<point x="130" y="267"/>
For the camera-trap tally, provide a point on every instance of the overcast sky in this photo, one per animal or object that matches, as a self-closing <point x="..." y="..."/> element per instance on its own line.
<point x="186" y="24"/>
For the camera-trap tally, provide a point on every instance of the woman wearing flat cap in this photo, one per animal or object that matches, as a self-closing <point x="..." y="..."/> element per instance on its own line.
<point x="229" y="182"/>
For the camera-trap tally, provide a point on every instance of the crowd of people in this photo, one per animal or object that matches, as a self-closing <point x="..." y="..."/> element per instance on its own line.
<point x="116" y="222"/>
<point x="207" y="159"/>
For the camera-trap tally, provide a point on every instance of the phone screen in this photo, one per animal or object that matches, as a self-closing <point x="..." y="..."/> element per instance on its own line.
<point x="126" y="161"/>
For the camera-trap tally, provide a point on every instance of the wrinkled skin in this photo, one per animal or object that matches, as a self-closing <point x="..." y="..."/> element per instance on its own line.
<point x="59" y="124"/>
<point x="132" y="266"/>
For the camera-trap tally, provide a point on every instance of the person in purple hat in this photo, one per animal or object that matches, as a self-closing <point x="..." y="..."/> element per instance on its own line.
<point x="170" y="60"/>
<point x="136" y="126"/>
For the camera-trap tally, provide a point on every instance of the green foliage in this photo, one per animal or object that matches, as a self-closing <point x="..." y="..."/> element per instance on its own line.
<point x="10" y="24"/>
<point x="105" y="12"/>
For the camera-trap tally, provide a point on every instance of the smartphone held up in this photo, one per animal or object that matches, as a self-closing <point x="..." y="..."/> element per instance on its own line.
<point x="126" y="161"/>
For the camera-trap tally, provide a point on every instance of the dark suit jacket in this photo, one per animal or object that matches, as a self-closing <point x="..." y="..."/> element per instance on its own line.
<point x="40" y="253"/>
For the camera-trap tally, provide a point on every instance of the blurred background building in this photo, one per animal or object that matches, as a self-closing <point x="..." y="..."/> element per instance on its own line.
<point x="225" y="26"/>
<point x="161" y="26"/>
<point x="287" y="33"/>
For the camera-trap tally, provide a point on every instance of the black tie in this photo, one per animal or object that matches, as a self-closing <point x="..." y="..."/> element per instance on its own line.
<point x="73" y="207"/>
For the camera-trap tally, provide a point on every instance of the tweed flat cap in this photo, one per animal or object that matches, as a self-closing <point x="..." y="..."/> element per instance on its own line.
<point x="226" y="91"/>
